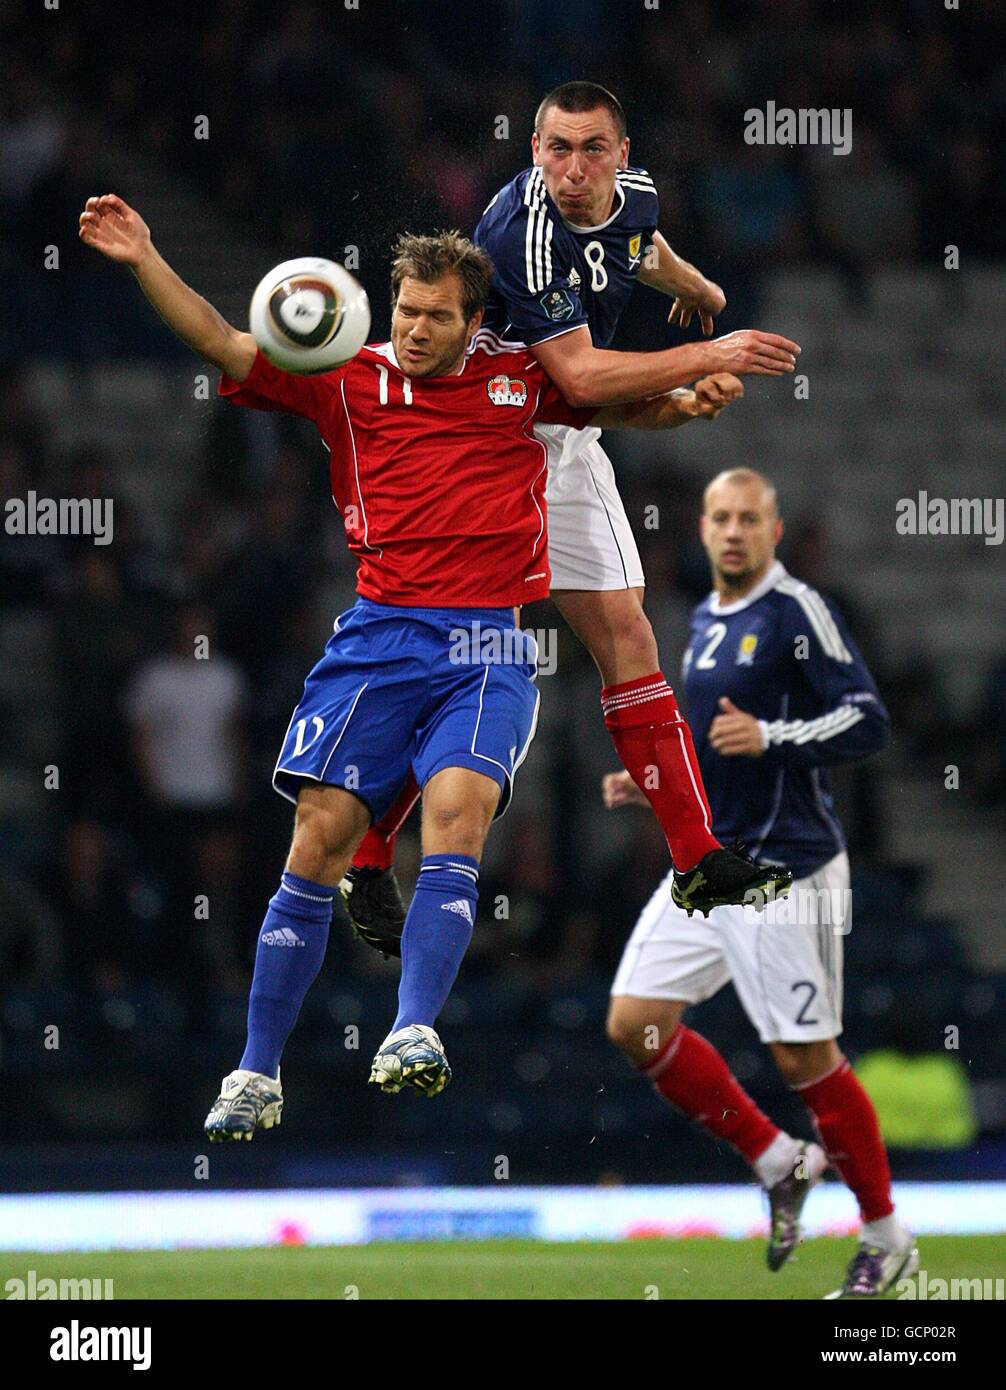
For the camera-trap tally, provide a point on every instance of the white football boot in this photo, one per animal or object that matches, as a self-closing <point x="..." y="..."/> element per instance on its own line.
<point x="873" y="1270"/>
<point x="247" y="1101"/>
<point x="414" y="1056"/>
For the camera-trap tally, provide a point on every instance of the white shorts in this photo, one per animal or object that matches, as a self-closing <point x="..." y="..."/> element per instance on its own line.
<point x="785" y="962"/>
<point x="590" y="541"/>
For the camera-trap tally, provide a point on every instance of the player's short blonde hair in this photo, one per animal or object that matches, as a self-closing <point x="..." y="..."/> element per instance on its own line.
<point x="742" y="476"/>
<point x="429" y="258"/>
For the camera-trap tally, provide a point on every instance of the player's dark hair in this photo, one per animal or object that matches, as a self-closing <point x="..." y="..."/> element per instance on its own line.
<point x="428" y="258"/>
<point x="577" y="97"/>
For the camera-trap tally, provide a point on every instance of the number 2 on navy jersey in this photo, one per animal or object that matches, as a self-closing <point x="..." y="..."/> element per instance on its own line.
<point x="715" y="635"/>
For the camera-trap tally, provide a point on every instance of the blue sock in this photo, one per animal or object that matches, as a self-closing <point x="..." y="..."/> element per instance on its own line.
<point x="291" y="948"/>
<point x="437" y="931"/>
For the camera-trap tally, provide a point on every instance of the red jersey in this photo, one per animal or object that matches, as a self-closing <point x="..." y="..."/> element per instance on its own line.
<point x="440" y="480"/>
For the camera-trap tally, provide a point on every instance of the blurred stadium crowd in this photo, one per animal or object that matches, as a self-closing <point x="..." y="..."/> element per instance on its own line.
<point x="326" y="131"/>
<point x="324" y="125"/>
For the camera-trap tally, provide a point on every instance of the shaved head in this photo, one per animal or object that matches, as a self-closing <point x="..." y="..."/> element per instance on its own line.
<point x="743" y="476"/>
<point x="741" y="528"/>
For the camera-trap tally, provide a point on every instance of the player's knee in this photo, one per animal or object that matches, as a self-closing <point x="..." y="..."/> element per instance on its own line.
<point x="626" y="1031"/>
<point x="459" y="829"/>
<point x="800" y="1063"/>
<point x="321" y="832"/>
<point x="631" y="640"/>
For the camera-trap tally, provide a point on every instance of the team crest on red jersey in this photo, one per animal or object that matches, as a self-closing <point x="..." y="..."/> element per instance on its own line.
<point x="507" y="390"/>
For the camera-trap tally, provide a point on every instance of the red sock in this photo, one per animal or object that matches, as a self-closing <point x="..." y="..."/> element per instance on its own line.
<point x="377" y="848"/>
<point x="692" y="1075"/>
<point x="847" y="1124"/>
<point x="656" y="749"/>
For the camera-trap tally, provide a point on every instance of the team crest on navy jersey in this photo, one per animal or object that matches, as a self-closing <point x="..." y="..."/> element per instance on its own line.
<point x="507" y="390"/>
<point x="557" y="304"/>
<point x="746" y="649"/>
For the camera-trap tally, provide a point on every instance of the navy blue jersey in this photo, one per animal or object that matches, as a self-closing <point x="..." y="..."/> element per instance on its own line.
<point x="784" y="655"/>
<point x="550" y="276"/>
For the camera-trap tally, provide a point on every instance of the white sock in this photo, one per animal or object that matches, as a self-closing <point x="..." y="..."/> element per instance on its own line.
<point x="888" y="1233"/>
<point x="778" y="1159"/>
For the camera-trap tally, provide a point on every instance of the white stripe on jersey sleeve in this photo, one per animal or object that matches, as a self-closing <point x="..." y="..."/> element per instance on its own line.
<point x="531" y="202"/>
<point x="829" y="725"/>
<point x="829" y="625"/>
<point x="532" y="235"/>
<point x="529" y="250"/>
<point x="539" y="237"/>
<point x="636" y="178"/>
<point x="356" y="470"/>
<point x="816" y="612"/>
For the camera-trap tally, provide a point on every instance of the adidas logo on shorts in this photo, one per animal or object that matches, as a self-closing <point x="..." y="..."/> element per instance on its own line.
<point x="462" y="908"/>
<point x="283" y="937"/>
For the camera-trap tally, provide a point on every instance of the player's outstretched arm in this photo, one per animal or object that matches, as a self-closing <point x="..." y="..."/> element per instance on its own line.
<point x="118" y="231"/>
<point x="692" y="293"/>
<point x="588" y="376"/>
<point x="711" y="395"/>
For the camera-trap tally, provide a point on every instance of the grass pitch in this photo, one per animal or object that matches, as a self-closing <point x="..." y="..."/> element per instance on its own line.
<point x="519" y="1269"/>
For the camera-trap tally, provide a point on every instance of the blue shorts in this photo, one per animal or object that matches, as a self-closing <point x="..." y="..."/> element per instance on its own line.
<point x="419" y="688"/>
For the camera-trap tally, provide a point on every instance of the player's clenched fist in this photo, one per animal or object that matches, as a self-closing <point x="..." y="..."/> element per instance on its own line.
<point x="618" y="789"/>
<point x="749" y="351"/>
<point x="115" y="229"/>
<point x="735" y="734"/>
<point x="714" y="393"/>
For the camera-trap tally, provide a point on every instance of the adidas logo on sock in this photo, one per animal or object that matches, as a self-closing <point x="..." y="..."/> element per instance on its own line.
<point x="283" y="937"/>
<point x="463" y="909"/>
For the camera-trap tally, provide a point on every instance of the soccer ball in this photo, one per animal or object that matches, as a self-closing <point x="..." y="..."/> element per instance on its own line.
<point x="309" y="315"/>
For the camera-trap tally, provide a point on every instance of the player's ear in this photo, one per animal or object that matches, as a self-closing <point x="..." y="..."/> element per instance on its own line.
<point x="535" y="147"/>
<point x="623" y="154"/>
<point x="474" y="323"/>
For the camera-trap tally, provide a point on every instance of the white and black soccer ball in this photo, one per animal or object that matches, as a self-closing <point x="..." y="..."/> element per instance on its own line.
<point x="309" y="315"/>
